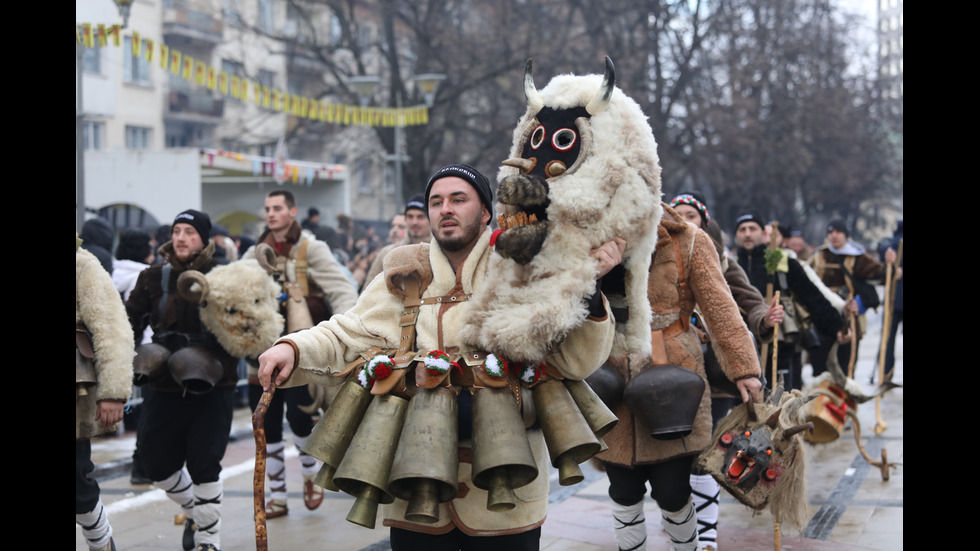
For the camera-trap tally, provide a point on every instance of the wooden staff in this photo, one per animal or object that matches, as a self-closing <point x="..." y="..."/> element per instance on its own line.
<point x="769" y="300"/>
<point x="853" y="323"/>
<point x="886" y="333"/>
<point x="775" y="339"/>
<point x="258" y="479"/>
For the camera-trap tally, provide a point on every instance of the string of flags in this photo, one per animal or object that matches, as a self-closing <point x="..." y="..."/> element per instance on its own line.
<point x="283" y="170"/>
<point x="100" y="35"/>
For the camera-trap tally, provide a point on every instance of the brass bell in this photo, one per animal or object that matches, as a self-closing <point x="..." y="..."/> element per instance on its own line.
<point x="599" y="417"/>
<point x="149" y="362"/>
<point x="332" y="435"/>
<point x="85" y="377"/>
<point x="502" y="457"/>
<point x="426" y="462"/>
<point x="366" y="467"/>
<point x="568" y="435"/>
<point x="297" y="310"/>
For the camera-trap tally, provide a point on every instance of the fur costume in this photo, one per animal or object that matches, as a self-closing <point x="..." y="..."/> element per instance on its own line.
<point x="375" y="321"/>
<point x="99" y="308"/>
<point x="629" y="442"/>
<point x="239" y="304"/>
<point x="611" y="188"/>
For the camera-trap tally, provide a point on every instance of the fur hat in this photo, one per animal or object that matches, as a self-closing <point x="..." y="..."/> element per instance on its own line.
<point x="471" y="175"/>
<point x="200" y="221"/>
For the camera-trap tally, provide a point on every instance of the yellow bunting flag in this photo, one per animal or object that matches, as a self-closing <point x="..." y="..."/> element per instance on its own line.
<point x="223" y="82"/>
<point x="200" y="74"/>
<point x="101" y="33"/>
<point x="87" y="35"/>
<point x="188" y="69"/>
<point x="137" y="44"/>
<point x="116" y="35"/>
<point x="149" y="50"/>
<point x="175" y="62"/>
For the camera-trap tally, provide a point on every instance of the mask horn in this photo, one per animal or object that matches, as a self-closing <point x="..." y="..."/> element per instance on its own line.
<point x="601" y="99"/>
<point x="534" y="101"/>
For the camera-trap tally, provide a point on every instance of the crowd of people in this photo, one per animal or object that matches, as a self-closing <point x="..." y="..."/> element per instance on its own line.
<point x="355" y="289"/>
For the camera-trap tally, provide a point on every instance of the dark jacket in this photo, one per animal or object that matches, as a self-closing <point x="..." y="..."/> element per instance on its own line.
<point x="793" y="283"/>
<point x="97" y="237"/>
<point x="180" y="323"/>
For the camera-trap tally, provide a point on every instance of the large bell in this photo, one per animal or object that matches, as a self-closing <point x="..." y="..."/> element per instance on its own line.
<point x="665" y="398"/>
<point x="568" y="435"/>
<point x="426" y="463"/>
<point x="502" y="457"/>
<point x="196" y="369"/>
<point x="608" y="385"/>
<point x="332" y="435"/>
<point x="150" y="359"/>
<point x="366" y="467"/>
<point x="599" y="417"/>
<point x="297" y="310"/>
<point x="85" y="377"/>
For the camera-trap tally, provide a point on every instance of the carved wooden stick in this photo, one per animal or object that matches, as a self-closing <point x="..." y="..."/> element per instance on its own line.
<point x="258" y="479"/>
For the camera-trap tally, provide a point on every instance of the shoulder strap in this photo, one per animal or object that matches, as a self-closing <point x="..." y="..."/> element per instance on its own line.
<point x="165" y="283"/>
<point x="301" y="266"/>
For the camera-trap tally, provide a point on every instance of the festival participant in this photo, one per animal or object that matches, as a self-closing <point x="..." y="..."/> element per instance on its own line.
<point x="104" y="343"/>
<point x="448" y="271"/>
<point x="185" y="434"/>
<point x="309" y="268"/>
<point x="684" y="273"/>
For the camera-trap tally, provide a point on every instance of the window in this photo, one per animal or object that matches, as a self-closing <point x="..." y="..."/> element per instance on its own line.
<point x="92" y="60"/>
<point x="265" y="15"/>
<point x="363" y="176"/>
<point x="94" y="135"/>
<point x="267" y="78"/>
<point x="135" y="67"/>
<point x="137" y="137"/>
<point x="233" y="68"/>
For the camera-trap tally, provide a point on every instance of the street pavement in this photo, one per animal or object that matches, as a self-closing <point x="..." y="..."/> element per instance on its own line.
<point x="851" y="505"/>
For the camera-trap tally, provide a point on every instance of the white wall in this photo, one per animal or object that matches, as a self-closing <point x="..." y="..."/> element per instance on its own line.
<point x="164" y="183"/>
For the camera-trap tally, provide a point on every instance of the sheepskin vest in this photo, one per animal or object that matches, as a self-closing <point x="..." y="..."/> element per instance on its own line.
<point x="629" y="442"/>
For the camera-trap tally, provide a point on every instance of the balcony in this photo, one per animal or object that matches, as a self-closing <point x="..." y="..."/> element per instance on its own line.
<point x="200" y="106"/>
<point x="186" y="25"/>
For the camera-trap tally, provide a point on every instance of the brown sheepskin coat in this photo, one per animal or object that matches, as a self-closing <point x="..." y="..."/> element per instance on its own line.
<point x="629" y="442"/>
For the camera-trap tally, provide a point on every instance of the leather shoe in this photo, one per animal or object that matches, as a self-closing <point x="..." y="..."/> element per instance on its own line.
<point x="275" y="508"/>
<point x="187" y="541"/>
<point x="312" y="494"/>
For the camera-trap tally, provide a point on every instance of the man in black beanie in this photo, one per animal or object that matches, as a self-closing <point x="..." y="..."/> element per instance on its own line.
<point x="438" y="278"/>
<point x="417" y="231"/>
<point x="183" y="435"/>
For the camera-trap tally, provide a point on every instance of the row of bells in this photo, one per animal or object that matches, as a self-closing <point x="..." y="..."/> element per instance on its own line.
<point x="378" y="448"/>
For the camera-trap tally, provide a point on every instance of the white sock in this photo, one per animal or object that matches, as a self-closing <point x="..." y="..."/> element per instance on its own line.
<point x="705" y="492"/>
<point x="178" y="488"/>
<point x="275" y="468"/>
<point x="95" y="526"/>
<point x="308" y="465"/>
<point x="630" y="525"/>
<point x="682" y="527"/>
<point x="207" y="510"/>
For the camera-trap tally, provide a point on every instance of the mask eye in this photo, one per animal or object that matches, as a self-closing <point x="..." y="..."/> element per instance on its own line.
<point x="537" y="137"/>
<point x="564" y="139"/>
